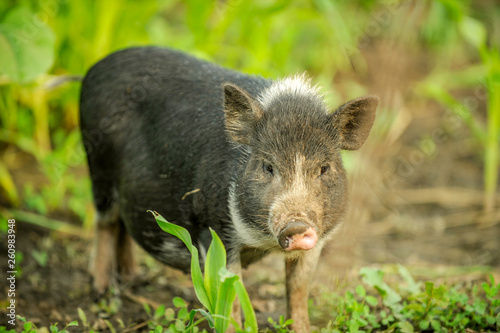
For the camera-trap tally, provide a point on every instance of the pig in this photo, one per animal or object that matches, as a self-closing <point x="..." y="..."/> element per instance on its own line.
<point x="257" y="160"/>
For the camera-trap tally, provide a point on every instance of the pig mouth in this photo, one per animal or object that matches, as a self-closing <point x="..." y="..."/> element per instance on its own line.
<point x="297" y="235"/>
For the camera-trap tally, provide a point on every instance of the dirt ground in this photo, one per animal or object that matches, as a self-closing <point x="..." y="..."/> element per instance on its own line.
<point x="415" y="199"/>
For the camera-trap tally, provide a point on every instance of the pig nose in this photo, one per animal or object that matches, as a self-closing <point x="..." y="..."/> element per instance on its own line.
<point x="297" y="235"/>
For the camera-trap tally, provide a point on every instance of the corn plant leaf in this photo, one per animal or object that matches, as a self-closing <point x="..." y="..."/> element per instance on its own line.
<point x="246" y="307"/>
<point x="225" y="299"/>
<point x="205" y="314"/>
<point x="8" y="186"/>
<point x="196" y="275"/>
<point x="216" y="259"/>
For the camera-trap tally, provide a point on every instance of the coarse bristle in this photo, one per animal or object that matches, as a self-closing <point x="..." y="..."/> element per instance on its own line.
<point x="292" y="86"/>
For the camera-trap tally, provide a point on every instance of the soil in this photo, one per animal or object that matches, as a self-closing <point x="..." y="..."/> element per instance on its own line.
<point x="415" y="200"/>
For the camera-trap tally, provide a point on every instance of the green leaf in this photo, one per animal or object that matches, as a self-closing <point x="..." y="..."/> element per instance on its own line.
<point x="412" y="287"/>
<point x="179" y="302"/>
<point x="372" y="276"/>
<point x="216" y="259"/>
<point x="436" y="325"/>
<point x="225" y="298"/>
<point x="41" y="257"/>
<point x="371" y="300"/>
<point x="419" y="308"/>
<point x="486" y="287"/>
<point x="183" y="314"/>
<point x="473" y="31"/>
<point x="424" y="324"/>
<point x="479" y="306"/>
<point x="147" y="308"/>
<point x="353" y="326"/>
<point x="207" y="315"/>
<point x="246" y="307"/>
<point x="174" y="230"/>
<point x="82" y="317"/>
<point x="170" y="314"/>
<point x="429" y="287"/>
<point x="159" y="312"/>
<point x="196" y="275"/>
<point x="360" y="291"/>
<point x="73" y="323"/>
<point x="27" y="46"/>
<point x="6" y="181"/>
<point x="197" y="278"/>
<point x="406" y="327"/>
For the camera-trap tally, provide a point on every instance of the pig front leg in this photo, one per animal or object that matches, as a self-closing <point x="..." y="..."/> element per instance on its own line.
<point x="298" y="274"/>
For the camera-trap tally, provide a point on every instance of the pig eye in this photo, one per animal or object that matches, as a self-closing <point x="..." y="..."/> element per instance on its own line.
<point x="324" y="169"/>
<point x="268" y="168"/>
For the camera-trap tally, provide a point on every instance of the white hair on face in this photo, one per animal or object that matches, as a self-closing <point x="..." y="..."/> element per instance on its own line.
<point x="296" y="85"/>
<point x="246" y="235"/>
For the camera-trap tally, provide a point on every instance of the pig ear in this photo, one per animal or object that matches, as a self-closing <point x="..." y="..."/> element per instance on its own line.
<point x="354" y="120"/>
<point x="241" y="112"/>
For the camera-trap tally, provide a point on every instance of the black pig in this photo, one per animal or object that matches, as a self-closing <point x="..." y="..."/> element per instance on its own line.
<point x="257" y="160"/>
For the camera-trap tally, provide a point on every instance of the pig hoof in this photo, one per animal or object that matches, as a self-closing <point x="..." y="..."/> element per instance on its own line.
<point x="297" y="235"/>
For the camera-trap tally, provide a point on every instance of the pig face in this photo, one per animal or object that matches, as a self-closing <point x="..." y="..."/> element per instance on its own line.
<point x="291" y="192"/>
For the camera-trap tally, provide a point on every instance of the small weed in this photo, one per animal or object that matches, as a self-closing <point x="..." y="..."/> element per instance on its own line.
<point x="282" y="325"/>
<point x="412" y="306"/>
<point x="107" y="306"/>
<point x="41" y="257"/>
<point x="172" y="320"/>
<point x="29" y="327"/>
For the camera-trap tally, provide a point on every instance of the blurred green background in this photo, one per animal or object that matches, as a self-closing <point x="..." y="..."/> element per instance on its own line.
<point x="44" y="43"/>
<point x="424" y="188"/>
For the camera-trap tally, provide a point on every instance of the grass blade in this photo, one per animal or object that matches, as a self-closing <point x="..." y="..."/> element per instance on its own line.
<point x="44" y="222"/>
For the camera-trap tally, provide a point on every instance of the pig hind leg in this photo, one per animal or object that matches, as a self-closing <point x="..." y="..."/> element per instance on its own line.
<point x="127" y="267"/>
<point x="113" y="247"/>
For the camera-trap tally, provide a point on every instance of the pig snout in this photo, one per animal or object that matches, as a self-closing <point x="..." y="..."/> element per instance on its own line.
<point x="297" y="235"/>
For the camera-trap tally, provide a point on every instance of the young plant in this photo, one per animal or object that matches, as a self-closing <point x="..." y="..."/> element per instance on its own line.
<point x="179" y="320"/>
<point x="29" y="327"/>
<point x="487" y="74"/>
<point x="217" y="289"/>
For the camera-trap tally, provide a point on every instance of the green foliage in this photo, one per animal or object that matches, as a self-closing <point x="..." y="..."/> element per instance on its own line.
<point x="413" y="307"/>
<point x="402" y="305"/>
<point x="175" y="320"/>
<point x="217" y="289"/>
<point x="20" y="39"/>
<point x="410" y="307"/>
<point x="486" y="75"/>
<point x="41" y="257"/>
<point x="282" y="325"/>
<point x="29" y="327"/>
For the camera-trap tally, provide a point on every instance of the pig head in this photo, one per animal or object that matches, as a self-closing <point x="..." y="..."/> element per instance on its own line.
<point x="290" y="191"/>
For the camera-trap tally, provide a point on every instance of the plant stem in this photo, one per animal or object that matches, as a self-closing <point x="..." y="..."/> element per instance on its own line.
<point x="44" y="222"/>
<point x="491" y="158"/>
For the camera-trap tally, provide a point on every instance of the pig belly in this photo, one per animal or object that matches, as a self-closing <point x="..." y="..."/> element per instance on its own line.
<point x="142" y="226"/>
